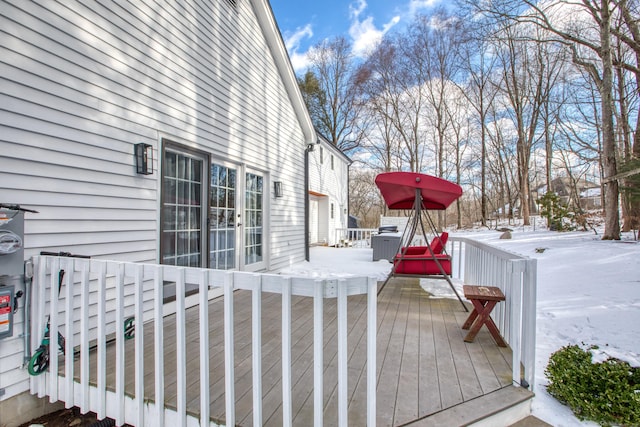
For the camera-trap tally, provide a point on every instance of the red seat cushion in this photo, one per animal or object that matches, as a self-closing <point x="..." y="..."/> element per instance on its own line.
<point x="422" y="265"/>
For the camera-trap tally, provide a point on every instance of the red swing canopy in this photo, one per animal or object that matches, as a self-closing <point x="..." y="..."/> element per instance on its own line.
<point x="399" y="190"/>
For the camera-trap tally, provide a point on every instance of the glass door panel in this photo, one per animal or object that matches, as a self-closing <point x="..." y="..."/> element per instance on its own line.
<point x="182" y="219"/>
<point x="253" y="218"/>
<point x="222" y="214"/>
<point x="182" y="210"/>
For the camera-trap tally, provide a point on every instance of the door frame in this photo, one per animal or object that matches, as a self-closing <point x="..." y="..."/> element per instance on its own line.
<point x="241" y="177"/>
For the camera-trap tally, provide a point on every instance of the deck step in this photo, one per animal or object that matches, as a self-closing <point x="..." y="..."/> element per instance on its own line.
<point x="531" y="421"/>
<point x="502" y="407"/>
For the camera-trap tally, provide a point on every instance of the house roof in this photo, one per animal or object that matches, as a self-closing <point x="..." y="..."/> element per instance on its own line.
<point x="332" y="147"/>
<point x="272" y="34"/>
<point x="561" y="186"/>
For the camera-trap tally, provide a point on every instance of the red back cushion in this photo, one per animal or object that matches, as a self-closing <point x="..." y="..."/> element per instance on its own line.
<point x="438" y="242"/>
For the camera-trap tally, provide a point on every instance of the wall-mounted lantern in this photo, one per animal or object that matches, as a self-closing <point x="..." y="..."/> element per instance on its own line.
<point x="277" y="188"/>
<point x="144" y="158"/>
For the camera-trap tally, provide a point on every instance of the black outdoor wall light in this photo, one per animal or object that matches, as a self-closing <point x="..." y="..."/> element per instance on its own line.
<point x="277" y="188"/>
<point x="144" y="158"/>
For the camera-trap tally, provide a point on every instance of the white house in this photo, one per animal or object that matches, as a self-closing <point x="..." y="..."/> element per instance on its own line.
<point x="328" y="192"/>
<point x="206" y="89"/>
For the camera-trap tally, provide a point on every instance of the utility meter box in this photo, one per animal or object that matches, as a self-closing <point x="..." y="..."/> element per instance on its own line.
<point x="6" y="311"/>
<point x="11" y="242"/>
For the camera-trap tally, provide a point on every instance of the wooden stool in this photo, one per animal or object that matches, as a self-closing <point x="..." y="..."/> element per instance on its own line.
<point x="483" y="298"/>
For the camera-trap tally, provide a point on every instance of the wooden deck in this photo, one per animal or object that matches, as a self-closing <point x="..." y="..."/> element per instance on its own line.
<point x="424" y="365"/>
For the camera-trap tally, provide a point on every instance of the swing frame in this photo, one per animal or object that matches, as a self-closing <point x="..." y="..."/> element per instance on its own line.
<point x="428" y="192"/>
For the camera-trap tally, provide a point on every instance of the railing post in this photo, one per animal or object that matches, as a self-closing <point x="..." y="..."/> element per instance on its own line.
<point x="287" y="412"/>
<point x="37" y="326"/>
<point x="68" y="333"/>
<point x="372" y="326"/>
<point x="181" y="371"/>
<point x="529" y="320"/>
<point x="84" y="337"/>
<point x="119" y="416"/>
<point x="138" y="336"/>
<point x="53" y="330"/>
<point x="343" y="374"/>
<point x="515" y="340"/>
<point x="256" y="351"/>
<point x="158" y="341"/>
<point x="102" y="343"/>
<point x="229" y="378"/>
<point x="318" y="352"/>
<point x="203" y="307"/>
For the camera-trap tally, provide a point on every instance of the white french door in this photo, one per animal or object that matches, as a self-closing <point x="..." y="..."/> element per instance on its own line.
<point x="236" y="218"/>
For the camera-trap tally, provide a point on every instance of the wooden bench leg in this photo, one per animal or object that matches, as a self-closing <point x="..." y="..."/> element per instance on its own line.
<point x="482" y="310"/>
<point x="467" y="324"/>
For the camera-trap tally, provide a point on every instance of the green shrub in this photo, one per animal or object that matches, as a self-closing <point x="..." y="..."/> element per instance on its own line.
<point x="607" y="393"/>
<point x="559" y="217"/>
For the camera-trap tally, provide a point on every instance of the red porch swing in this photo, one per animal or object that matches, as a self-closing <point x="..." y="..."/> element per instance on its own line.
<point x="420" y="193"/>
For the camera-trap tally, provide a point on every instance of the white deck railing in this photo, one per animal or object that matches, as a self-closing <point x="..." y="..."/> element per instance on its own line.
<point x="96" y="297"/>
<point x="477" y="263"/>
<point x="354" y="237"/>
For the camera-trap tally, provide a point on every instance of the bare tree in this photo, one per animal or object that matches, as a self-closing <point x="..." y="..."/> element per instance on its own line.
<point x="436" y="41"/>
<point x="501" y="171"/>
<point x="381" y="103"/>
<point x="339" y="116"/>
<point x="527" y="82"/>
<point x="479" y="64"/>
<point x="365" y="201"/>
<point x="585" y="27"/>
<point x="391" y="79"/>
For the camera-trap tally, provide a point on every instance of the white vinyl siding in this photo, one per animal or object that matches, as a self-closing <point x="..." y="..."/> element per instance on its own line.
<point x="82" y="82"/>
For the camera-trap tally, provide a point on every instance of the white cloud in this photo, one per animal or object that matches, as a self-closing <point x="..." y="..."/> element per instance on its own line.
<point x="299" y="61"/>
<point x="363" y="32"/>
<point x="355" y="9"/>
<point x="292" y="41"/>
<point x="417" y="5"/>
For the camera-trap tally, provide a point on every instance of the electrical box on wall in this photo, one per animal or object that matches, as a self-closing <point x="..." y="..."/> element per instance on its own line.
<point x="11" y="243"/>
<point x="6" y="310"/>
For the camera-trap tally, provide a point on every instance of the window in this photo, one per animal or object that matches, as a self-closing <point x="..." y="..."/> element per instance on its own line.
<point x="331" y="210"/>
<point x="332" y="162"/>
<point x="321" y="155"/>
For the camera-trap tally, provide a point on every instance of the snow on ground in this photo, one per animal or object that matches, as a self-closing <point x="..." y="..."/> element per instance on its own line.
<point x="588" y="292"/>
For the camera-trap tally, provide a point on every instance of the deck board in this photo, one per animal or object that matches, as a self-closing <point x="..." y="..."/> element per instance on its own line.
<point x="423" y="363"/>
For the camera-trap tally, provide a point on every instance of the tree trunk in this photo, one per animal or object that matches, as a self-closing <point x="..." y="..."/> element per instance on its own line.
<point x="611" y="220"/>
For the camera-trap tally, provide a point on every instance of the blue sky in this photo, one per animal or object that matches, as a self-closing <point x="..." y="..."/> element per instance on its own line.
<point x="363" y="22"/>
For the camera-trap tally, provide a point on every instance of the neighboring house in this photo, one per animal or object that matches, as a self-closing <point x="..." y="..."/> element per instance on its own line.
<point x="206" y="87"/>
<point x="328" y="192"/>
<point x="582" y="192"/>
